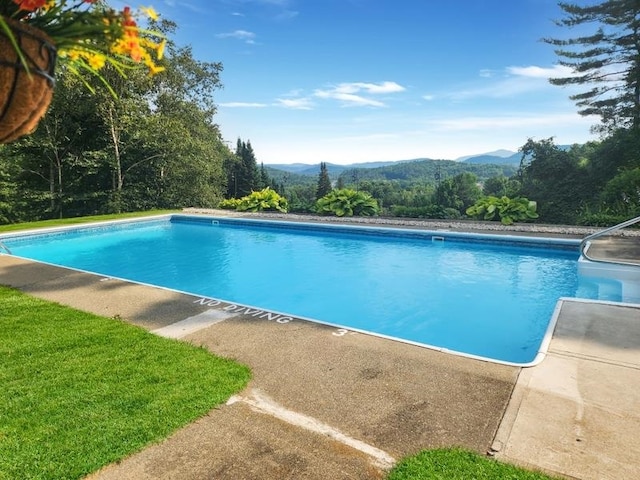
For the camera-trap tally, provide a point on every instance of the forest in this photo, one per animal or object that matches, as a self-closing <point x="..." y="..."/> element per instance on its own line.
<point x="155" y="144"/>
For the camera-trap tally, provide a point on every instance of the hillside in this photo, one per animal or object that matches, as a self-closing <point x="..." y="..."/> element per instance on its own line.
<point x="427" y="171"/>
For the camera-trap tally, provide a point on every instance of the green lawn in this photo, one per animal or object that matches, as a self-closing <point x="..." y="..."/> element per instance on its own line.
<point x="457" y="464"/>
<point x="79" y="391"/>
<point x="59" y="222"/>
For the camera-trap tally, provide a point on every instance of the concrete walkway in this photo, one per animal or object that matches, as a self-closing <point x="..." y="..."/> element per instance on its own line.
<point x="329" y="403"/>
<point x="578" y="412"/>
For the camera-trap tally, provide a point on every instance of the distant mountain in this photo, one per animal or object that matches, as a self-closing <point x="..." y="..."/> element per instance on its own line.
<point x="497" y="153"/>
<point x="513" y="159"/>
<point x="332" y="168"/>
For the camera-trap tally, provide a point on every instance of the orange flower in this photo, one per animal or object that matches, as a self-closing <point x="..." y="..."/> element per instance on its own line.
<point x="30" y="5"/>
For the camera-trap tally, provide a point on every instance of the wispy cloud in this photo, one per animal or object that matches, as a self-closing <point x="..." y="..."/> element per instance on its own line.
<point x="507" y="122"/>
<point x="243" y="105"/>
<point x="287" y="15"/>
<point x="247" y="37"/>
<point x="358" y="93"/>
<point x="533" y="71"/>
<point x="295" y="103"/>
<point x="513" y="81"/>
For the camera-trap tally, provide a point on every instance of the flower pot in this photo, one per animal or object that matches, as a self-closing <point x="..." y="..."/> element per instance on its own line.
<point x="25" y="94"/>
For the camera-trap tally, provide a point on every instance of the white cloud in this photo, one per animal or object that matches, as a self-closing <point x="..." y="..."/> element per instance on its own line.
<point x="428" y="98"/>
<point x="248" y="37"/>
<point x="355" y="93"/>
<point x="533" y="71"/>
<point x="348" y="99"/>
<point x="373" y="88"/>
<point x="295" y="103"/>
<point x="242" y="105"/>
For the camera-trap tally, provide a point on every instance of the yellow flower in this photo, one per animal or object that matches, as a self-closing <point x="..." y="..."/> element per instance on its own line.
<point x="96" y="60"/>
<point x="160" y="48"/>
<point x="151" y="13"/>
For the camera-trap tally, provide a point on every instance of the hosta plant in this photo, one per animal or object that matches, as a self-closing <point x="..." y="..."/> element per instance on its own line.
<point x="507" y="210"/>
<point x="346" y="203"/>
<point x="265" y="199"/>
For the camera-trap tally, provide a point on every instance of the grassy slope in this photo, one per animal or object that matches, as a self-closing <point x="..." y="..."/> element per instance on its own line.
<point x="58" y="222"/>
<point x="79" y="391"/>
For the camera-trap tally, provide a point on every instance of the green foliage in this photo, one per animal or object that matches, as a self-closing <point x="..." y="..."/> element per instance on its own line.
<point x="428" y="211"/>
<point x="347" y="203"/>
<point x="621" y="194"/>
<point x="424" y="172"/>
<point x="459" y="192"/>
<point x="229" y="203"/>
<point x="324" y="183"/>
<point x="557" y="178"/>
<point x="607" y="60"/>
<point x="154" y="146"/>
<point x="265" y="199"/>
<point x="458" y="464"/>
<point x="77" y="398"/>
<point x="508" y="210"/>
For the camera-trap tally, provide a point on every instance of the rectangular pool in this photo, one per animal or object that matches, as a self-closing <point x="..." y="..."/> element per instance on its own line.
<point x="485" y="296"/>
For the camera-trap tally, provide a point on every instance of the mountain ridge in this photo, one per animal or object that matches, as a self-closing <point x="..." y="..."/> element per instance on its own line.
<point x="496" y="157"/>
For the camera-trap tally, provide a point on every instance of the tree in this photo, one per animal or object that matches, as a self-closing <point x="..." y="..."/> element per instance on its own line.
<point x="608" y="61"/>
<point x="459" y="192"/>
<point x="555" y="178"/>
<point x="324" y="183"/>
<point x="245" y="176"/>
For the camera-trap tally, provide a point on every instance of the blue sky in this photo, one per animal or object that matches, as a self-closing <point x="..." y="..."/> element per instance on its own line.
<point x="347" y="81"/>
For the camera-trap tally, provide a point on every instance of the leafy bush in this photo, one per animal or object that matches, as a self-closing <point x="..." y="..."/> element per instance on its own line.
<point x="428" y="211"/>
<point x="229" y="203"/>
<point x="603" y="217"/>
<point x="347" y="202"/>
<point x="265" y="199"/>
<point x="508" y="210"/>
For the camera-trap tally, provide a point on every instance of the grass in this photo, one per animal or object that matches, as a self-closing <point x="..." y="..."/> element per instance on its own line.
<point x="57" y="222"/>
<point x="79" y="391"/>
<point x="458" y="464"/>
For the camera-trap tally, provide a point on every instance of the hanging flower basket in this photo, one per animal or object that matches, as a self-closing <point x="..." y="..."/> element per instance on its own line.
<point x="25" y="94"/>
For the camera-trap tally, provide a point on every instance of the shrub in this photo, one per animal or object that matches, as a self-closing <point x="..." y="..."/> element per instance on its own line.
<point x="265" y="199"/>
<point x="508" y="210"/>
<point x="428" y="211"/>
<point x="229" y="203"/>
<point x="347" y="202"/>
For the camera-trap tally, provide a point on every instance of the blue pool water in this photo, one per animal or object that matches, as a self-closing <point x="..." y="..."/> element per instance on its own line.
<point x="477" y="295"/>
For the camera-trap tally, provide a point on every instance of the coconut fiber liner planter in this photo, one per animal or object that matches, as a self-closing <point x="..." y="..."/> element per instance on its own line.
<point x="25" y="94"/>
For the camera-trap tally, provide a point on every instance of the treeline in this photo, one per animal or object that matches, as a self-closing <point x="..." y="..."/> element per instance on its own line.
<point x="593" y="184"/>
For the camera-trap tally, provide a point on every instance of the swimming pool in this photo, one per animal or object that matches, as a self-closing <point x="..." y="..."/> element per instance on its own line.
<point x="486" y="296"/>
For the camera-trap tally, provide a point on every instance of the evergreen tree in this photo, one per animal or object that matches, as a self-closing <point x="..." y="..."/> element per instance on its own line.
<point x="246" y="174"/>
<point x="608" y="61"/>
<point x="265" y="181"/>
<point x="324" y="183"/>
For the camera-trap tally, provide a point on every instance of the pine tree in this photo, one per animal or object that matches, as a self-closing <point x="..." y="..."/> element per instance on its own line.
<point x="246" y="175"/>
<point x="265" y="181"/>
<point x="608" y="61"/>
<point x="324" y="183"/>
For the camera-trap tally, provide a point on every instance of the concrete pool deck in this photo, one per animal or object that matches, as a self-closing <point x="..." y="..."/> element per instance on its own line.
<point x="328" y="403"/>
